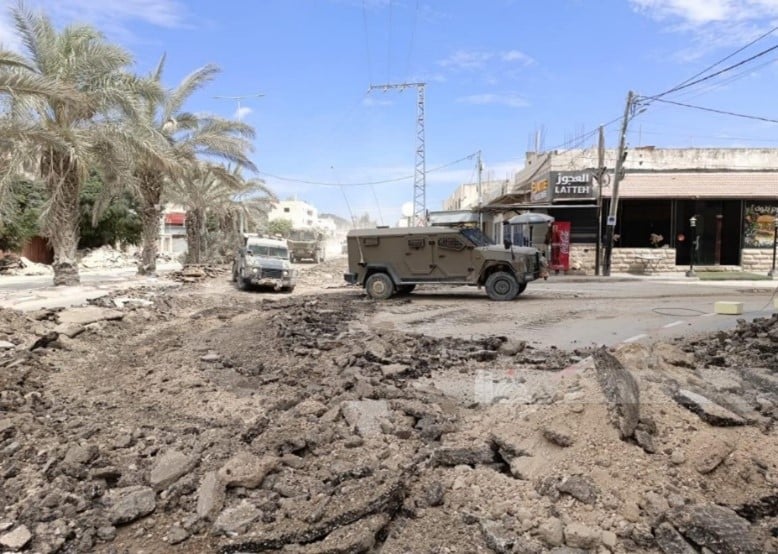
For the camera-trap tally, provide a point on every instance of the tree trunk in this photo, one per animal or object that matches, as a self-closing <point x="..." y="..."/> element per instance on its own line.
<point x="150" y="213"/>
<point x="194" y="236"/>
<point x="62" y="218"/>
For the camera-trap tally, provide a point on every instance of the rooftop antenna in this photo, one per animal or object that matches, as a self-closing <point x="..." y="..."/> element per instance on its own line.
<point x="239" y="99"/>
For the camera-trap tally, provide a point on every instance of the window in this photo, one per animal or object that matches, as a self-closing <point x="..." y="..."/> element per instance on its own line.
<point x="286" y="210"/>
<point x="451" y="243"/>
<point x="271" y="251"/>
<point x="310" y="212"/>
<point x="416" y="244"/>
<point x="370" y="241"/>
<point x="477" y="237"/>
<point x="644" y="223"/>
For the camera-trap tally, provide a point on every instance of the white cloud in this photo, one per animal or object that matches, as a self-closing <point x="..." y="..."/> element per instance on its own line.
<point x="242" y="112"/>
<point x="462" y="59"/>
<point x="712" y="23"/>
<point x="510" y="100"/>
<point x="697" y="13"/>
<point x="517" y="56"/>
<point x="110" y="16"/>
<point x="477" y="59"/>
<point x="691" y="11"/>
<point x="162" y="13"/>
<point x="8" y="36"/>
<point x="372" y="101"/>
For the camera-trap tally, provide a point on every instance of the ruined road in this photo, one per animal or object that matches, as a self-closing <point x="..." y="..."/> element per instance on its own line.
<point x="197" y="418"/>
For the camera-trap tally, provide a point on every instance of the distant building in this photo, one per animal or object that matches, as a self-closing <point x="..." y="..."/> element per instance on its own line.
<point x="172" y="229"/>
<point x="301" y="214"/>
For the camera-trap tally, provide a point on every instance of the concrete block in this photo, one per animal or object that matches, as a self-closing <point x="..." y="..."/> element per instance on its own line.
<point x="728" y="308"/>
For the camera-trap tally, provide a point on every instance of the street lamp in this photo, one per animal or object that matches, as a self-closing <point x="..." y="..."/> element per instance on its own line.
<point x="771" y="273"/>
<point x="692" y="244"/>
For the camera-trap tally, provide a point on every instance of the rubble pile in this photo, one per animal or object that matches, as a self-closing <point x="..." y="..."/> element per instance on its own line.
<point x="105" y="257"/>
<point x="193" y="273"/>
<point x="181" y="422"/>
<point x="13" y="264"/>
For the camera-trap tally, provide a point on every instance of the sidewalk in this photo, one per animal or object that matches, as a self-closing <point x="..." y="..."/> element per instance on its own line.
<point x="41" y="293"/>
<point x="675" y="278"/>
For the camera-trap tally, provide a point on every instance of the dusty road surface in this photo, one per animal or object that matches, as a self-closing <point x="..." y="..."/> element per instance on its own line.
<point x="198" y="418"/>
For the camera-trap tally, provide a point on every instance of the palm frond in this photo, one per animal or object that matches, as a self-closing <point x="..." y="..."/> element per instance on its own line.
<point x="187" y="87"/>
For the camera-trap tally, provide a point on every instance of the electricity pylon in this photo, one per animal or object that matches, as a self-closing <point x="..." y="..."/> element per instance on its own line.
<point x="420" y="171"/>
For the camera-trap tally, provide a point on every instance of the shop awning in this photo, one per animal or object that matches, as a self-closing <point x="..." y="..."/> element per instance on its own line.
<point x="720" y="184"/>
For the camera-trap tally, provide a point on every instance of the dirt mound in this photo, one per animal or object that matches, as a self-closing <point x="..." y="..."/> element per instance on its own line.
<point x="199" y="420"/>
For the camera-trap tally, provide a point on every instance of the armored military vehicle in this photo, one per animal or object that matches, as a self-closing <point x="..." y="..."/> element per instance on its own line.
<point x="306" y="244"/>
<point x="264" y="262"/>
<point x="388" y="261"/>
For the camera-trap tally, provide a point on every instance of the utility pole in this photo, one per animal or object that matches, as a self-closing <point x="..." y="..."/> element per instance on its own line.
<point x="480" y="168"/>
<point x="600" y="181"/>
<point x="611" y="223"/>
<point x="238" y="114"/>
<point x="420" y="168"/>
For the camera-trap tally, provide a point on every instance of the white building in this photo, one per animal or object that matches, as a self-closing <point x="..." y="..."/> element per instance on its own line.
<point x="301" y="214"/>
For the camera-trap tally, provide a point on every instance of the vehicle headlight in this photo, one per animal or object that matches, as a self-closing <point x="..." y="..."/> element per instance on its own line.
<point x="285" y="273"/>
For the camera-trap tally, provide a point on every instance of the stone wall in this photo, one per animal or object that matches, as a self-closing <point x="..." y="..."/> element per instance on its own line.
<point x="757" y="260"/>
<point x="624" y="260"/>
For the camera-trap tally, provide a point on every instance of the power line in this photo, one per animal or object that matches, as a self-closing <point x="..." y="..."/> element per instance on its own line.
<point x="723" y="112"/>
<point x="389" y="47"/>
<point x="367" y="42"/>
<point x="367" y="183"/>
<point x="732" y="55"/>
<point x="712" y="75"/>
<point x="413" y="38"/>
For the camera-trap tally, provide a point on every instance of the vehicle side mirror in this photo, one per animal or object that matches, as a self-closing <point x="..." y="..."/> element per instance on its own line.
<point x="507" y="243"/>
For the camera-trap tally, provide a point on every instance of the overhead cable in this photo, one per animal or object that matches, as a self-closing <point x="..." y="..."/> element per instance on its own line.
<point x="367" y="183"/>
<point x="723" y="112"/>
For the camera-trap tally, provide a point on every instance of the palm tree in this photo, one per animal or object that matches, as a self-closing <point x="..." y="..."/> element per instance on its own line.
<point x="213" y="191"/>
<point x="190" y="137"/>
<point x="64" y="138"/>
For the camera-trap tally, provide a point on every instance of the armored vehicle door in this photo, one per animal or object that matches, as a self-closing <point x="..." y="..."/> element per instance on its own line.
<point x="418" y="255"/>
<point x="453" y="257"/>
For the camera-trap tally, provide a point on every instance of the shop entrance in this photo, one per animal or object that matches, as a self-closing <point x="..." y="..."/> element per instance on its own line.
<point x="718" y="232"/>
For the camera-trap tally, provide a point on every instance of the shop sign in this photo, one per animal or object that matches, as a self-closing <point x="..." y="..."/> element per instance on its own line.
<point x="572" y="185"/>
<point x="539" y="191"/>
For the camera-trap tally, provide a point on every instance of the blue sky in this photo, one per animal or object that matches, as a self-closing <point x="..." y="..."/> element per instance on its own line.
<point x="496" y="72"/>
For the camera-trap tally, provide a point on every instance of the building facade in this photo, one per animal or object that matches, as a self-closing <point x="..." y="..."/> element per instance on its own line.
<point x="732" y="194"/>
<point x="301" y="214"/>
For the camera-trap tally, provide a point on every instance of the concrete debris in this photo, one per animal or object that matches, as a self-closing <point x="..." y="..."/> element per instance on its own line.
<point x="226" y="421"/>
<point x="16" y="539"/>
<point x="87" y="315"/>
<point x="130" y="503"/>
<point x="169" y="467"/>
<point x="709" y="411"/>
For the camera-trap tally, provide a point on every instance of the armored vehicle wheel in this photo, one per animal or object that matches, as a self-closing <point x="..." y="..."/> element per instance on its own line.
<point x="501" y="285"/>
<point x="288" y="289"/>
<point x="379" y="286"/>
<point x="405" y="289"/>
<point x="522" y="287"/>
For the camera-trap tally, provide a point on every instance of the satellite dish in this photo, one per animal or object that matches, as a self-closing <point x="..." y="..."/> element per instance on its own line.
<point x="407" y="209"/>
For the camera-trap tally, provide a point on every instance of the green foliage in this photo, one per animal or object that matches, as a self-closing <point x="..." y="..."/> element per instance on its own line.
<point x="119" y="222"/>
<point x="281" y="227"/>
<point x="20" y="221"/>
